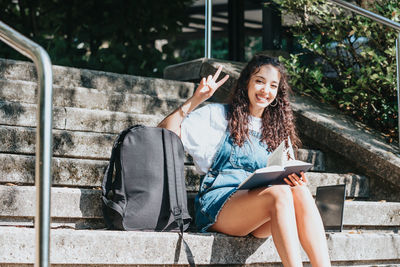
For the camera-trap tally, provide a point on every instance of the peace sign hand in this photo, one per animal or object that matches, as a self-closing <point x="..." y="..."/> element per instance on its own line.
<point x="207" y="87"/>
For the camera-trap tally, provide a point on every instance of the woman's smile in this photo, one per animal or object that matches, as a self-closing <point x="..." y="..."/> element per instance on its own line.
<point x="262" y="98"/>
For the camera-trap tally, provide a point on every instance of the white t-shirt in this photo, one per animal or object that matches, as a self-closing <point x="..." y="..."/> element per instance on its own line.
<point x="202" y="132"/>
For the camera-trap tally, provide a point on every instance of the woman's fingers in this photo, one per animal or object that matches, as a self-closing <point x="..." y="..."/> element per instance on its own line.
<point x="203" y="85"/>
<point x="208" y="85"/>
<point x="293" y="180"/>
<point x="303" y="177"/>
<point x="217" y="73"/>
<point x="209" y="78"/>
<point x="288" y="181"/>
<point x="223" y="80"/>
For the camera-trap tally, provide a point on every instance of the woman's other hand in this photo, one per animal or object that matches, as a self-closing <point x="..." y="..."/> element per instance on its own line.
<point x="293" y="179"/>
<point x="207" y="87"/>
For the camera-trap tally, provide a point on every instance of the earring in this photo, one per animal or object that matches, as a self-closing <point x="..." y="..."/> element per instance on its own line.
<point x="276" y="103"/>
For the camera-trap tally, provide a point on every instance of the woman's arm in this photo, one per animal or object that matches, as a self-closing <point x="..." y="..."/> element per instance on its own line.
<point x="203" y="92"/>
<point x="174" y="120"/>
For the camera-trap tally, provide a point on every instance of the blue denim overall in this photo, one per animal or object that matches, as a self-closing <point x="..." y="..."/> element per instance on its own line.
<point x="231" y="165"/>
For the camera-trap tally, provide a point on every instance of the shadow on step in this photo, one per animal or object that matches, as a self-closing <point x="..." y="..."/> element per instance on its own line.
<point x="226" y="249"/>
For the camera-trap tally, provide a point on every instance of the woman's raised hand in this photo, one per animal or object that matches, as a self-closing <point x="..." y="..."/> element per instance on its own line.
<point x="207" y="87"/>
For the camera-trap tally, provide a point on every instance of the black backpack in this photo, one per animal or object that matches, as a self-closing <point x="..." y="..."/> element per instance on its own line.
<point x="148" y="190"/>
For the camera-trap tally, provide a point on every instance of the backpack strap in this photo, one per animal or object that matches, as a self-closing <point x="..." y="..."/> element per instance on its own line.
<point x="107" y="180"/>
<point x="175" y="174"/>
<point x="106" y="185"/>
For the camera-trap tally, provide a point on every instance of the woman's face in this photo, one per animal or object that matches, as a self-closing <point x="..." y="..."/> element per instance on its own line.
<point x="262" y="89"/>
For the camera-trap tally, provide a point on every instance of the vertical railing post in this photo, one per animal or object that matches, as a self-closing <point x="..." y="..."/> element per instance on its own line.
<point x="43" y="160"/>
<point x="208" y="29"/>
<point x="44" y="137"/>
<point x="398" y="82"/>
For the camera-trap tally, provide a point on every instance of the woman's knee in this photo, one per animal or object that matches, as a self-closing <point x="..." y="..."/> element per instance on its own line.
<point x="282" y="196"/>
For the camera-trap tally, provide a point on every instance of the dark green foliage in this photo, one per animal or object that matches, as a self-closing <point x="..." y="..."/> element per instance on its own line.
<point x="194" y="49"/>
<point x="110" y="35"/>
<point x="347" y="60"/>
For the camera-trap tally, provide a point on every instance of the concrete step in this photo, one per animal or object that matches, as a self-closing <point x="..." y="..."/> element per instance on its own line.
<point x="21" y="140"/>
<point x="75" y="119"/>
<point x="84" y="205"/>
<point x="70" y="172"/>
<point x="79" y="97"/>
<point x="67" y="77"/>
<point x="103" y="121"/>
<point x="316" y="157"/>
<point x="19" y="169"/>
<point x="89" y="145"/>
<point x="98" y="248"/>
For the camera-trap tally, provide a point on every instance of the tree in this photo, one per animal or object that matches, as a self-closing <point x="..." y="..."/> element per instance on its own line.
<point x="109" y="35"/>
<point x="347" y="60"/>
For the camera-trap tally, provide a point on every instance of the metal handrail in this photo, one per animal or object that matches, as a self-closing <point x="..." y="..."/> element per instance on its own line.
<point x="390" y="23"/>
<point x="43" y="136"/>
<point x="367" y="13"/>
<point x="208" y="28"/>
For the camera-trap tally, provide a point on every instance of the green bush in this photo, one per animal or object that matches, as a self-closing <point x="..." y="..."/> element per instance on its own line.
<point x="109" y="35"/>
<point x="347" y="60"/>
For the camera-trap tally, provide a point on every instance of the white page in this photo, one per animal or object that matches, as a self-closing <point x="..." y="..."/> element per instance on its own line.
<point x="294" y="163"/>
<point x="276" y="158"/>
<point x="274" y="168"/>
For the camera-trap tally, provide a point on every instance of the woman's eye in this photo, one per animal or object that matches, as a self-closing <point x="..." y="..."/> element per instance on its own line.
<point x="274" y="86"/>
<point x="259" y="81"/>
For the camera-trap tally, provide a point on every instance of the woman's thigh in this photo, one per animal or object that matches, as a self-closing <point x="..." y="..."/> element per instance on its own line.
<point x="248" y="210"/>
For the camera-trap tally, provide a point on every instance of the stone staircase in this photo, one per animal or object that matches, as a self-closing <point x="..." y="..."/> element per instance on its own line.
<point x="90" y="108"/>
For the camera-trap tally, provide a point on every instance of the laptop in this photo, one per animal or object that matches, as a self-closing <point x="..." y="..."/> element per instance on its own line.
<point x="330" y="203"/>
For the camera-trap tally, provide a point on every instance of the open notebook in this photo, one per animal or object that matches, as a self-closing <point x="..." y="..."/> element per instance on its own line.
<point x="277" y="169"/>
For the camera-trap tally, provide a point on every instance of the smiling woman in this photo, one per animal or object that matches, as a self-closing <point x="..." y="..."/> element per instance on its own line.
<point x="228" y="142"/>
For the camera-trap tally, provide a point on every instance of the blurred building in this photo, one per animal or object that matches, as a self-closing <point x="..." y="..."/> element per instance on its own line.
<point x="239" y="20"/>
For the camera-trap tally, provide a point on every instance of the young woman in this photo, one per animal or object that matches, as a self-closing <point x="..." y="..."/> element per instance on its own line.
<point x="228" y="142"/>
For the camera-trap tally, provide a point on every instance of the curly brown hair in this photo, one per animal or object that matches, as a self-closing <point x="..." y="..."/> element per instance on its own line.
<point x="277" y="121"/>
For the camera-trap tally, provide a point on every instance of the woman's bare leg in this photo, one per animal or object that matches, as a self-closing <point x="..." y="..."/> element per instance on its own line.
<point x="310" y="227"/>
<point x="247" y="211"/>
